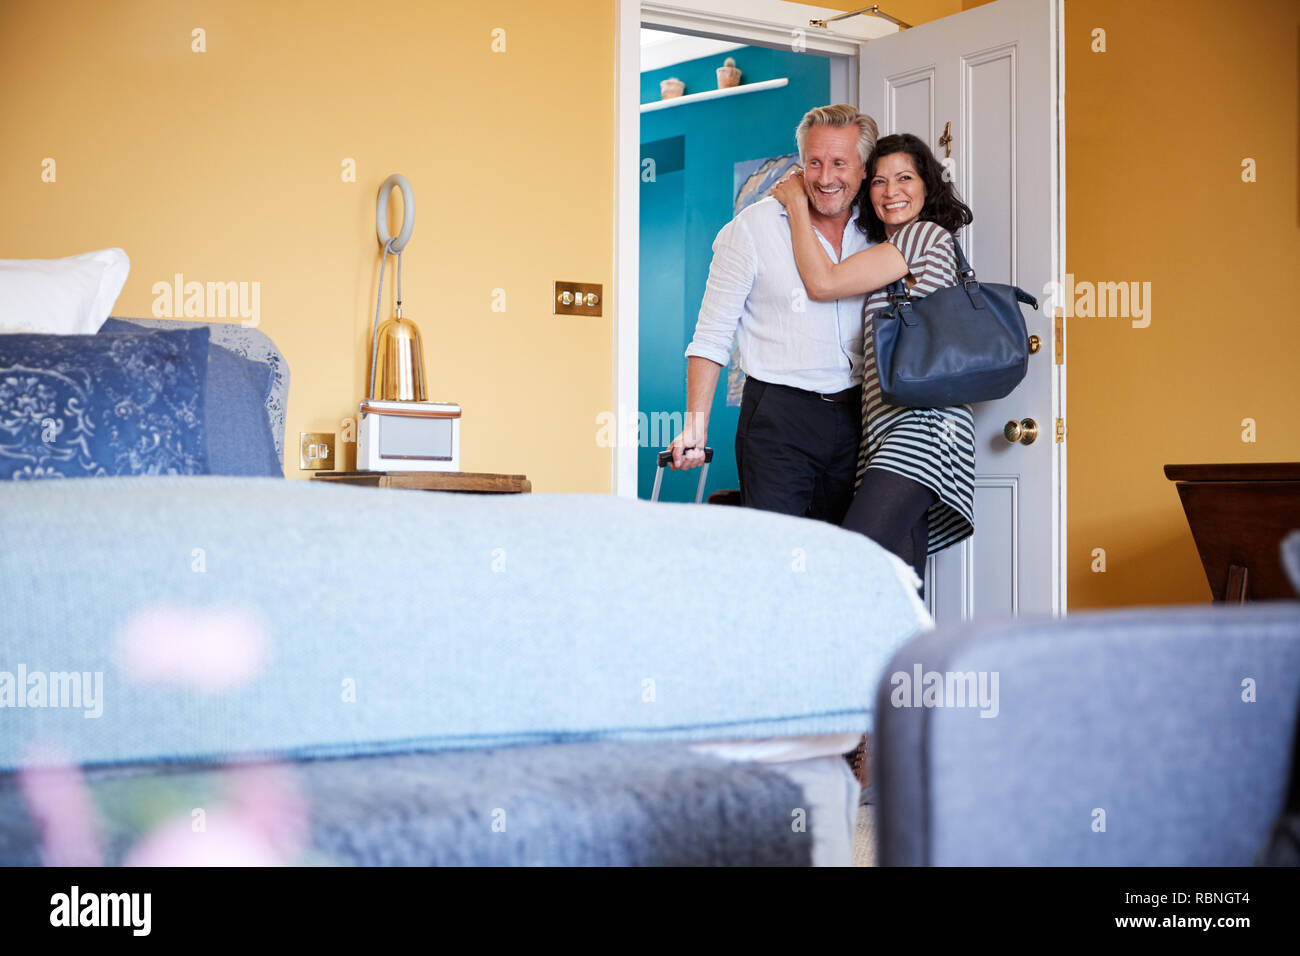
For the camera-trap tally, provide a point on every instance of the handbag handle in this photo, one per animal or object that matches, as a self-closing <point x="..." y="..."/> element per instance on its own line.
<point x="900" y="297"/>
<point x="965" y="275"/>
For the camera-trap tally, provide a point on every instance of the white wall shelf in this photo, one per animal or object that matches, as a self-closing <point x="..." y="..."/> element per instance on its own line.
<point x="716" y="94"/>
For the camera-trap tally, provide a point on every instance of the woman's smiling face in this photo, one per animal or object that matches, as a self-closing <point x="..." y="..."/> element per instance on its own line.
<point x="897" y="193"/>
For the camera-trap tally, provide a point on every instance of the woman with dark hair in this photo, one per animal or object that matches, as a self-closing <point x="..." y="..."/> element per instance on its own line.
<point x="915" y="491"/>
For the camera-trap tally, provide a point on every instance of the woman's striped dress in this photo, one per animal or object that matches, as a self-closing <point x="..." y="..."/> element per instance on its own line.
<point x="935" y="446"/>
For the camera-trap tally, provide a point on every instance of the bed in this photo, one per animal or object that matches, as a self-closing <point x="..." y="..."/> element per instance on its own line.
<point x="343" y="675"/>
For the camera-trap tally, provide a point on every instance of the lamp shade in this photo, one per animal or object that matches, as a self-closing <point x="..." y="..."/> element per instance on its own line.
<point x="399" y="362"/>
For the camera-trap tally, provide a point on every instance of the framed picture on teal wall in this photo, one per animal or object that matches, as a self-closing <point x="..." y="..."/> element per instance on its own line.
<point x="753" y="179"/>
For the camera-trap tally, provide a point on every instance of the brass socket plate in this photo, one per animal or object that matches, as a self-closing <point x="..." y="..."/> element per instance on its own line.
<point x="579" y="298"/>
<point x="316" y="451"/>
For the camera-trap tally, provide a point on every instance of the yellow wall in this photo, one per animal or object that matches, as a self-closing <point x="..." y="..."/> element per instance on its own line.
<point x="226" y="166"/>
<point x="1156" y="130"/>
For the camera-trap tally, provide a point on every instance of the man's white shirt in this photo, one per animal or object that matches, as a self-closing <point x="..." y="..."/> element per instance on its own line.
<point x="755" y="295"/>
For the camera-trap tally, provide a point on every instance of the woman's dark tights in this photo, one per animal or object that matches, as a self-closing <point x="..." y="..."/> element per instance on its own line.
<point x="891" y="511"/>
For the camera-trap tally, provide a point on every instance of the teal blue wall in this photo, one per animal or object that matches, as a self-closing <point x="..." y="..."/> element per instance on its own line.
<point x="681" y="213"/>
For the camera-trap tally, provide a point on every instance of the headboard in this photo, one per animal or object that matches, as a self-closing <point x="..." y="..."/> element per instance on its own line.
<point x="251" y="344"/>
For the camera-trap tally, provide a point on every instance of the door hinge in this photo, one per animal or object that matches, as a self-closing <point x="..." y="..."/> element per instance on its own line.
<point x="1060" y="429"/>
<point x="1060" y="338"/>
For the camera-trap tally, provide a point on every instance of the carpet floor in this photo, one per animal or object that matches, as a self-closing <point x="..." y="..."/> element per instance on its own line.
<point x="864" y="838"/>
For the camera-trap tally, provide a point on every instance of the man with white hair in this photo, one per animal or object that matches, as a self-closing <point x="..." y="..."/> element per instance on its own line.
<point x="801" y="413"/>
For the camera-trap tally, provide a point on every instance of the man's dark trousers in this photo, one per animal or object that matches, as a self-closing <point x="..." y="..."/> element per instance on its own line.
<point x="797" y="452"/>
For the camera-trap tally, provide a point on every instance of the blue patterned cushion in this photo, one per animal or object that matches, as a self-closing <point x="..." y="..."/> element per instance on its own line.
<point x="249" y="343"/>
<point x="234" y="412"/>
<point x="95" y="405"/>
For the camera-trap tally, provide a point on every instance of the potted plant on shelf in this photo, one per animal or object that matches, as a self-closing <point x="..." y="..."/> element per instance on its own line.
<point x="671" y="88"/>
<point x="728" y="75"/>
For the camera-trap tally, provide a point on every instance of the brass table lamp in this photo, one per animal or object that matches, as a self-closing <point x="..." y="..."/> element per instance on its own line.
<point x="397" y="372"/>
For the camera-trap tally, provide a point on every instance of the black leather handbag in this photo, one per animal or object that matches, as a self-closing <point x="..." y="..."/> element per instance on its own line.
<point x="966" y="343"/>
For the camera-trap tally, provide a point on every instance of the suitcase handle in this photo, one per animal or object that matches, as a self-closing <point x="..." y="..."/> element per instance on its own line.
<point x="665" y="457"/>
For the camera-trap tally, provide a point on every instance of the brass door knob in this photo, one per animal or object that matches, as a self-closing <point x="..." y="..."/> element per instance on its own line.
<point x="1024" y="431"/>
<point x="1035" y="343"/>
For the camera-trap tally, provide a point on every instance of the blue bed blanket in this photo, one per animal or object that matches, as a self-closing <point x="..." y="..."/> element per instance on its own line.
<point x="216" y="618"/>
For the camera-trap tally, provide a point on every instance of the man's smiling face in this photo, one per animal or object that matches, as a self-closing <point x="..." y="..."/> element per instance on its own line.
<point x="832" y="168"/>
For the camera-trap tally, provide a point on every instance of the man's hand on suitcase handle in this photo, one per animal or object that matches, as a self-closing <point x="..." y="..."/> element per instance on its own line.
<point x="688" y="447"/>
<point x="666" y="458"/>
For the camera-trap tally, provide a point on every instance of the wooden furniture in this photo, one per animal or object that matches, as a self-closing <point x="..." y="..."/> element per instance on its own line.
<point x="469" y="482"/>
<point x="1239" y="515"/>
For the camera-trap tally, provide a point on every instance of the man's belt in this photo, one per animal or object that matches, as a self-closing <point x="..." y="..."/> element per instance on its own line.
<point x="851" y="394"/>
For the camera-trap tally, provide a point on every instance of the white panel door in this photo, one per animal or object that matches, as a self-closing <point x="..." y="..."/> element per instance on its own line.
<point x="989" y="76"/>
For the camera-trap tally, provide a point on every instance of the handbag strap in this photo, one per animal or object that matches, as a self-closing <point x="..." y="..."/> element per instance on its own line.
<point x="964" y="270"/>
<point x="898" y="293"/>
<point x="899" y="296"/>
<point x="966" y="276"/>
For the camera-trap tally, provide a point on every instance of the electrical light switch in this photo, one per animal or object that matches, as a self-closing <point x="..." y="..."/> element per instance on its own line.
<point x="577" y="298"/>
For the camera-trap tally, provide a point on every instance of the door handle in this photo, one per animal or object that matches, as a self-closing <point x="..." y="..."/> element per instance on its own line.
<point x="1024" y="431"/>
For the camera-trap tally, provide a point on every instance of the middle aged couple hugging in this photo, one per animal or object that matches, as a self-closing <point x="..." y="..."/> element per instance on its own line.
<point x="795" y="278"/>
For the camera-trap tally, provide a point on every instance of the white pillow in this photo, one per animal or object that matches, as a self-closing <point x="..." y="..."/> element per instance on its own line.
<point x="71" y="296"/>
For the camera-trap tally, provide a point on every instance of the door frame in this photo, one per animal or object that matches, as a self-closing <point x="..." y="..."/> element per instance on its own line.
<point x="629" y="17"/>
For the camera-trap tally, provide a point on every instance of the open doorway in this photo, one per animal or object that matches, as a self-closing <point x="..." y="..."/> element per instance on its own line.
<point x="982" y="87"/>
<point x="706" y="151"/>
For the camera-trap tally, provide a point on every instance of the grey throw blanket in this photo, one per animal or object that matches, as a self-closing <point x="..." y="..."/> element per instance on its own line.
<point x="589" y="804"/>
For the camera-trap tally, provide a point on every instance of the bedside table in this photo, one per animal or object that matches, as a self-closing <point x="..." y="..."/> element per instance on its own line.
<point x="467" y="482"/>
